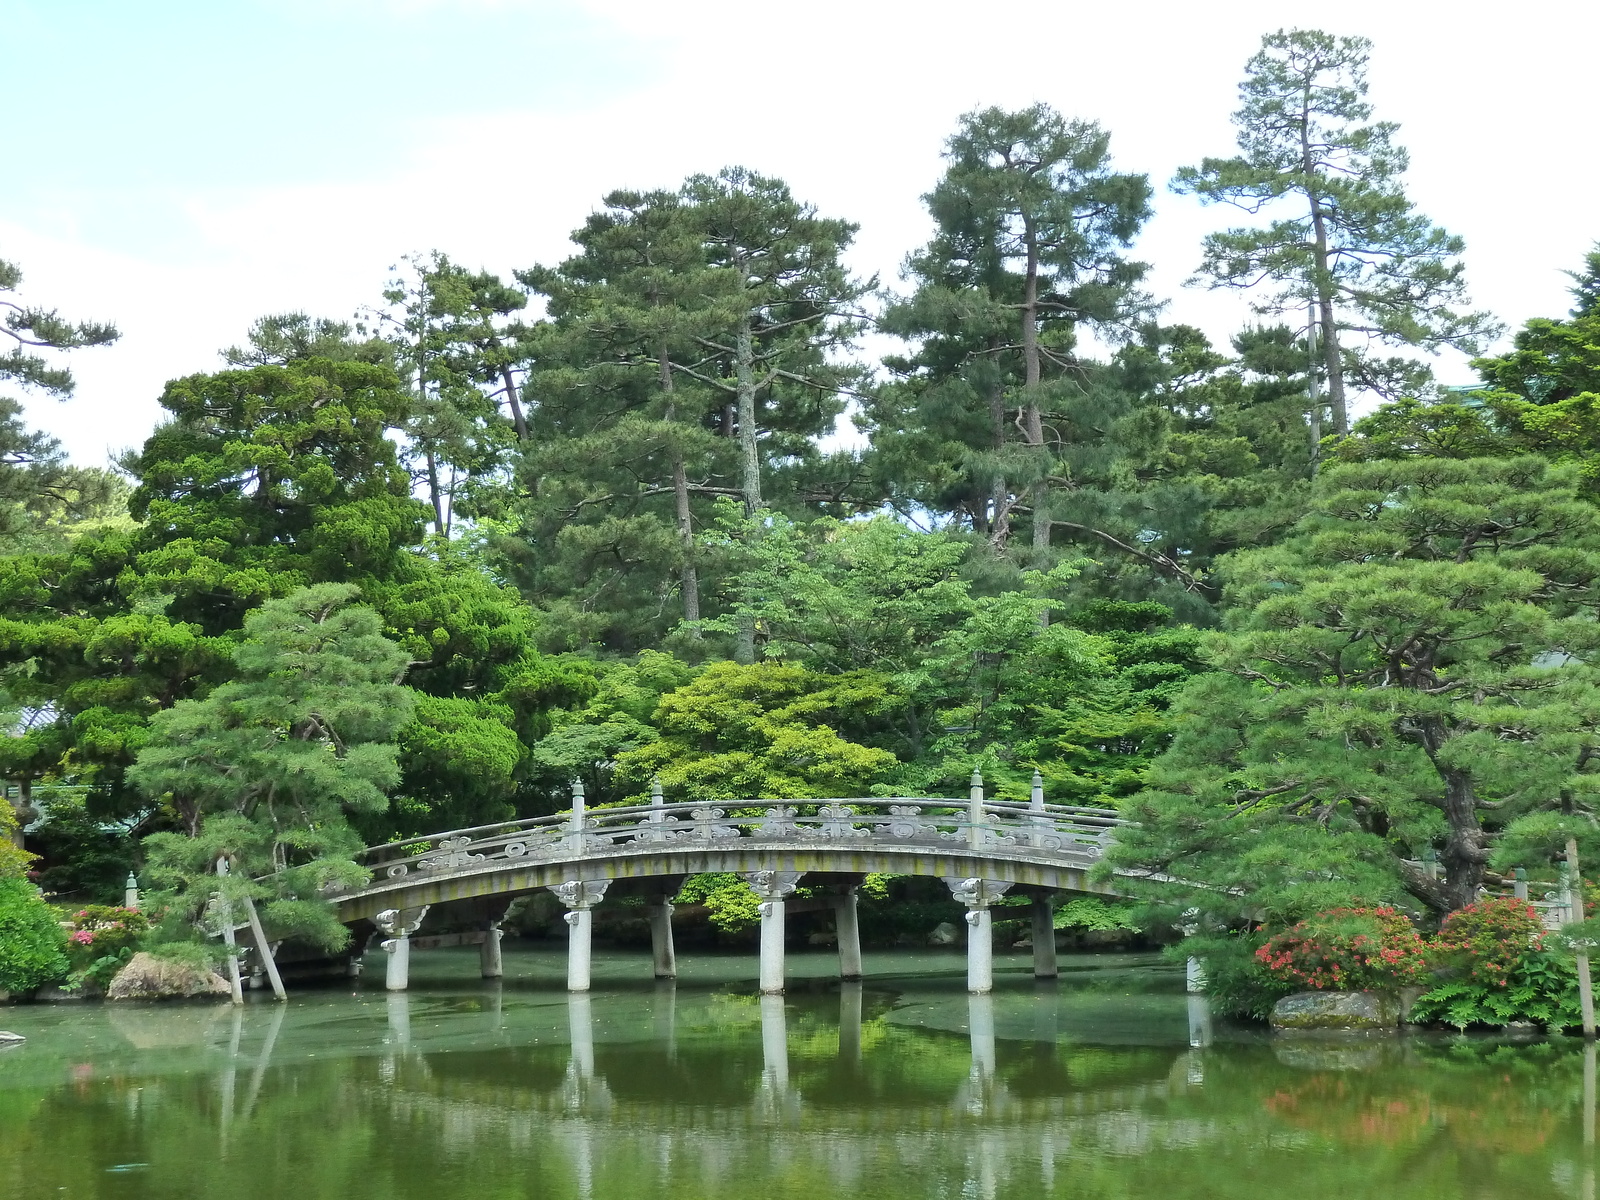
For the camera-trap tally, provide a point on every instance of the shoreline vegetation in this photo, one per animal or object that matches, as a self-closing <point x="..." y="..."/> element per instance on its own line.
<point x="1322" y="630"/>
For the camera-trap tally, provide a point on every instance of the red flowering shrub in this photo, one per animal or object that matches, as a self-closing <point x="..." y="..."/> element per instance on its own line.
<point x="1347" y="949"/>
<point x="1489" y="939"/>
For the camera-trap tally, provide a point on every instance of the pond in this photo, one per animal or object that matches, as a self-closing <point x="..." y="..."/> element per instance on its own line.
<point x="1110" y="1083"/>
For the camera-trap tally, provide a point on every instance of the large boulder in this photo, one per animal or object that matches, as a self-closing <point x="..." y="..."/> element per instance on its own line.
<point x="1337" y="1012"/>
<point x="147" y="977"/>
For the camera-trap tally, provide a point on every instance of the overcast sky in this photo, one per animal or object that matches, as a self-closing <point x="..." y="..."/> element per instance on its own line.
<point x="184" y="166"/>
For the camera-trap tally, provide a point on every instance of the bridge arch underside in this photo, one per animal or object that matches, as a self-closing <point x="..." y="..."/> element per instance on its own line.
<point x="500" y="877"/>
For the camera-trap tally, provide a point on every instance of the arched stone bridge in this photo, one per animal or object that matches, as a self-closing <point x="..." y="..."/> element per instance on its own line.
<point x="981" y="849"/>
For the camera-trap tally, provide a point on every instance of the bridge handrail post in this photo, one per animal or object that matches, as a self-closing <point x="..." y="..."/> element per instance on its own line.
<point x="575" y="828"/>
<point x="975" y="812"/>
<point x="658" y="803"/>
<point x="1037" y="818"/>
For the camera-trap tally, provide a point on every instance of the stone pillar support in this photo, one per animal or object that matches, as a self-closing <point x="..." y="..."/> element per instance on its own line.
<point x="848" y="931"/>
<point x="977" y="895"/>
<point x="580" y="896"/>
<point x="1044" y="939"/>
<point x="772" y="887"/>
<point x="399" y="924"/>
<point x="490" y="963"/>
<point x="663" y="955"/>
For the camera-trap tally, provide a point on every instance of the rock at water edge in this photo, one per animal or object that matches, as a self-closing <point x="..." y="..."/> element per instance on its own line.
<point x="147" y="977"/>
<point x="1337" y="1012"/>
<point x="944" y="934"/>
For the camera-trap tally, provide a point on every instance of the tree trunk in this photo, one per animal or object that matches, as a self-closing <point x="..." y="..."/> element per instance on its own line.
<point x="1000" y="496"/>
<point x="750" y="478"/>
<point x="433" y="491"/>
<point x="689" y="575"/>
<point x="1030" y="389"/>
<point x="515" y="403"/>
<point x="1464" y="857"/>
<point x="1323" y="281"/>
<point x="1313" y="393"/>
<point x="749" y="445"/>
<point x="1575" y="906"/>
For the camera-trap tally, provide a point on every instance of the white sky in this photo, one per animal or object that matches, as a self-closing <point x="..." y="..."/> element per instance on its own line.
<point x="185" y="166"/>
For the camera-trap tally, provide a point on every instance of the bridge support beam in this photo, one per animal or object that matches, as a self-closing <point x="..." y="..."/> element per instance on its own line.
<point x="1044" y="939"/>
<point x="772" y="887"/>
<point x="580" y="896"/>
<point x="663" y="955"/>
<point x="977" y="895"/>
<point x="399" y="924"/>
<point x="847" y="929"/>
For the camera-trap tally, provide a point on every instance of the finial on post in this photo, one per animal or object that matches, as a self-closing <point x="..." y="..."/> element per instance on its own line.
<point x="130" y="891"/>
<point x="1036" y="799"/>
<point x="655" y="792"/>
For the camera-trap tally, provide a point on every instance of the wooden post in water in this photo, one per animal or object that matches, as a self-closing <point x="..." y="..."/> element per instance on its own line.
<point x="225" y="911"/>
<point x="1575" y="907"/>
<point x="264" y="950"/>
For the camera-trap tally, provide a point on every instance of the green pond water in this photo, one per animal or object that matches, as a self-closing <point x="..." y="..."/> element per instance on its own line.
<point x="1111" y="1083"/>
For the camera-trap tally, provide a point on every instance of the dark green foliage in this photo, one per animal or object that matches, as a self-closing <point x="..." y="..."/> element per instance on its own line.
<point x="32" y="945"/>
<point x="1541" y="989"/>
<point x="82" y="859"/>
<point x="1387" y="686"/>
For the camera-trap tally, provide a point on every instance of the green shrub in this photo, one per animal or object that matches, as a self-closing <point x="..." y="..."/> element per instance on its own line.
<point x="1237" y="984"/>
<point x="32" y="944"/>
<point x="1539" y="988"/>
<point x="1498" y="970"/>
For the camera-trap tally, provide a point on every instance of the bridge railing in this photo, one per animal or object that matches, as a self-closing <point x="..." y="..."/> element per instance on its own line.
<point x="916" y="821"/>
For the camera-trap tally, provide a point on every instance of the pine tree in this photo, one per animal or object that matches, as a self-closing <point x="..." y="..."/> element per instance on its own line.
<point x="268" y="769"/>
<point x="1412" y="669"/>
<point x="1343" y="238"/>
<point x="1032" y="224"/>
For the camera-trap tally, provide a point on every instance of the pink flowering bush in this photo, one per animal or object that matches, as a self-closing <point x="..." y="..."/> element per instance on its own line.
<point x="1347" y="949"/>
<point x="102" y="939"/>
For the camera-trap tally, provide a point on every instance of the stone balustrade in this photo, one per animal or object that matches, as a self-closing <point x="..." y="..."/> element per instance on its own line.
<point x="980" y="848"/>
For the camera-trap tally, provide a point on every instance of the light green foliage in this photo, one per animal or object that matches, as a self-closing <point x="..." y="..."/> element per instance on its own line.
<point x="769" y="730"/>
<point x="1340" y="231"/>
<point x="583" y="743"/>
<point x="32" y="945"/>
<point x="1093" y="914"/>
<point x="1409" y="670"/>
<point x="14" y="861"/>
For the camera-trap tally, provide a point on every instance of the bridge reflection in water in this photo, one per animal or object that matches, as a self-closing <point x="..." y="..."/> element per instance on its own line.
<point x="982" y="850"/>
<point x="595" y="1117"/>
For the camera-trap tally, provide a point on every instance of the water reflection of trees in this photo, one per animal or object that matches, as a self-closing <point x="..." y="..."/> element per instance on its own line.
<point x="717" y="1098"/>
